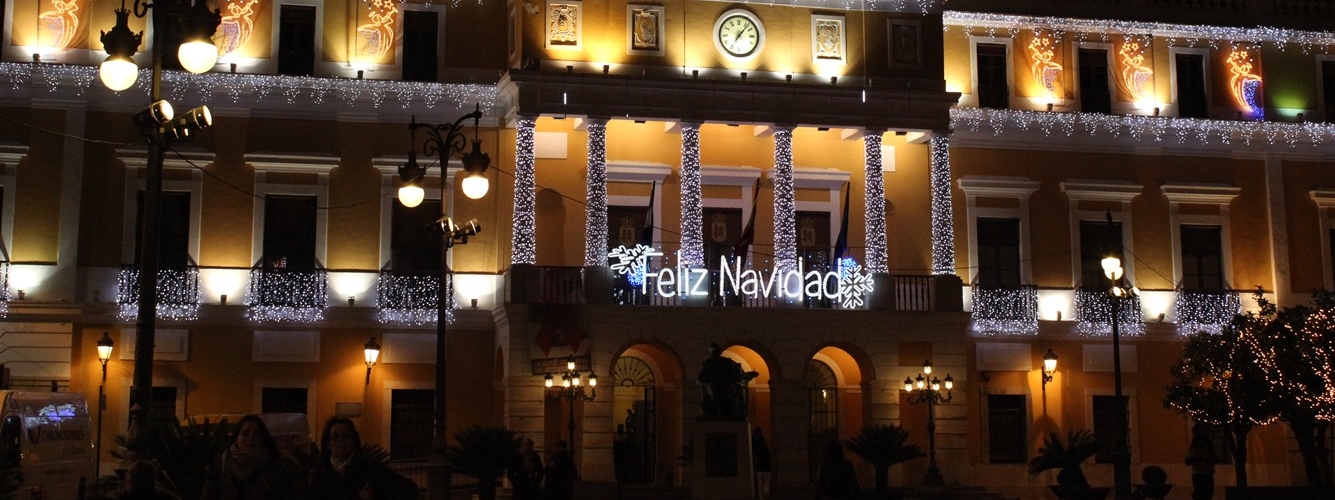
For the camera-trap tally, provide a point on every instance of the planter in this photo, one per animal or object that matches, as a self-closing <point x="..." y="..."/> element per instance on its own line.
<point x="1078" y="493"/>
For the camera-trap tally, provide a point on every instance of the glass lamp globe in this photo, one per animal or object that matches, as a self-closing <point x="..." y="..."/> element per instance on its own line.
<point x="198" y="56"/>
<point x="411" y="195"/>
<point x="118" y="73"/>
<point x="475" y="186"/>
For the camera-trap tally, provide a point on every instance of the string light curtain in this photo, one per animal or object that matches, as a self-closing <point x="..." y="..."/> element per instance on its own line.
<point x="785" y="208"/>
<point x="874" y="205"/>
<point x="692" y="215"/>
<point x="523" y="244"/>
<point x="943" y="230"/>
<point x="595" y="210"/>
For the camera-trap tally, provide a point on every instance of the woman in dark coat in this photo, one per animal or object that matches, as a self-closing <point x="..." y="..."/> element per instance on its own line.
<point x="251" y="468"/>
<point x="342" y="473"/>
<point x="837" y="479"/>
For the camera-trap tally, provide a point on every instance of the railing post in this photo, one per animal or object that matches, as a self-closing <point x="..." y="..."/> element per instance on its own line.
<point x="947" y="293"/>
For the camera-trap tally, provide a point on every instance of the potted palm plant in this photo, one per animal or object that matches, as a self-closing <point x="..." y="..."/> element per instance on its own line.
<point x="483" y="452"/>
<point x="882" y="445"/>
<point x="1066" y="458"/>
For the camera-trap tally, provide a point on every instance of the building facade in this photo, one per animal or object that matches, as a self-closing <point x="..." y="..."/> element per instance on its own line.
<point x="939" y="181"/>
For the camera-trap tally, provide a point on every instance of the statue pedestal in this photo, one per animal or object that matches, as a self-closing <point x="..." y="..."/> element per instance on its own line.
<point x="722" y="466"/>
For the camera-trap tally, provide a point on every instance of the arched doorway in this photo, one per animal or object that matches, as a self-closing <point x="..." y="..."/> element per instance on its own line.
<point x="635" y="446"/>
<point x="823" y="407"/>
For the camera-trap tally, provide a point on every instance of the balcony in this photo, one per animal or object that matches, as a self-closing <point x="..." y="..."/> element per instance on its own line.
<point x="1093" y="312"/>
<point x="1005" y="309"/>
<point x="281" y="294"/>
<point x="178" y="293"/>
<point x="410" y="298"/>
<point x="1205" y="310"/>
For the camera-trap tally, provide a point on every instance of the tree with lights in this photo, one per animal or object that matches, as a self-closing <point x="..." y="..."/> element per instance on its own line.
<point x="1222" y="380"/>
<point x="1301" y="377"/>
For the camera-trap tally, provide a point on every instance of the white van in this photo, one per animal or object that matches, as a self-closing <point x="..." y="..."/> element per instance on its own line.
<point x="48" y="436"/>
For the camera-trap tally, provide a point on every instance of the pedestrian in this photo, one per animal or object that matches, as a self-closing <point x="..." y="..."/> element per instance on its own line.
<point x="760" y="459"/>
<point x="251" y="468"/>
<point x="526" y="472"/>
<point x="561" y="474"/>
<point x="1202" y="458"/>
<point x="343" y="473"/>
<point x="837" y="480"/>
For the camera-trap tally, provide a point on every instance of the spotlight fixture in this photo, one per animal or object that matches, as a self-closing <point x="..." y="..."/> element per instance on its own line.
<point x="154" y="115"/>
<point x="185" y="126"/>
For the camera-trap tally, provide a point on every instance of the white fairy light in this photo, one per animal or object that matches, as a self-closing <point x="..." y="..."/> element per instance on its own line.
<point x="178" y="294"/>
<point x="1093" y="313"/>
<point x="692" y="214"/>
<point x="1145" y="128"/>
<point x="874" y="205"/>
<point x="523" y="248"/>
<point x="1005" y="310"/>
<point x="595" y="208"/>
<point x="785" y="205"/>
<point x="411" y="300"/>
<point x="1215" y="35"/>
<point x="943" y="229"/>
<point x="1201" y="311"/>
<point x="287" y="296"/>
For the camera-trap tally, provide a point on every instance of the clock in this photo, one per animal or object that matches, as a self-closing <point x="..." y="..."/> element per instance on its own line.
<point x="739" y="34"/>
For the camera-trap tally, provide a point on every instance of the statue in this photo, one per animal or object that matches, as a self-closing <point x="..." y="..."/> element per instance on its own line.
<point x="724" y="386"/>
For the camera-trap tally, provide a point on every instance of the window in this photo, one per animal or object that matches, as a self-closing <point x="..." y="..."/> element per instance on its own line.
<point x="998" y="251"/>
<point x="1202" y="258"/>
<point x="1095" y="96"/>
<point x="813" y="238"/>
<point x="823" y="406"/>
<point x="162" y="403"/>
<point x="289" y="232"/>
<point x="993" y="89"/>
<point x="1097" y="240"/>
<point x="1191" y="99"/>
<point x="723" y="227"/>
<point x="296" y="40"/>
<point x="174" y="221"/>
<point x="283" y="400"/>
<point x="410" y="423"/>
<point x="1006" y="433"/>
<point x="414" y="240"/>
<point x="419" y="45"/>
<point x="1105" y="426"/>
<point x="1328" y="88"/>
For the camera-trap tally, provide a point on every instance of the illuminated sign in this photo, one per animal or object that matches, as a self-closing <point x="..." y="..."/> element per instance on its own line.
<point x="1134" y="72"/>
<point x="1043" y="69"/>
<point x="848" y="283"/>
<point x="1244" y="84"/>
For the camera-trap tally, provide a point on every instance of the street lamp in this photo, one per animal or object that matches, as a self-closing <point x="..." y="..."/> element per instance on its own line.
<point x="571" y="390"/>
<point x="1117" y="292"/>
<point x="928" y="392"/>
<point x="1049" y="368"/>
<point x="443" y="141"/>
<point x="372" y="352"/>
<point x="159" y="127"/>
<point x="104" y="347"/>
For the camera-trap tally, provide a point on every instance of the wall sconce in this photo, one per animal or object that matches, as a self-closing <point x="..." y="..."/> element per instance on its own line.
<point x="21" y="294"/>
<point x="222" y="299"/>
<point x="352" y="300"/>
<point x="1049" y="367"/>
<point x="372" y="351"/>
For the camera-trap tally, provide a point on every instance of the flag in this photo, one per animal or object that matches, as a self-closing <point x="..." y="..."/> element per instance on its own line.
<point x="841" y="243"/>
<point x="743" y="246"/>
<point x="647" y="234"/>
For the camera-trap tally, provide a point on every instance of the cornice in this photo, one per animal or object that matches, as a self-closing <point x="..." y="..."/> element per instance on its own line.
<point x="1208" y="194"/>
<point x="998" y="186"/>
<point x="1100" y="190"/>
<point x="634" y="171"/>
<point x="712" y="175"/>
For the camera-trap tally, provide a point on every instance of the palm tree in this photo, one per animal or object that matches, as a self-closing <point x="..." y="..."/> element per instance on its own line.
<point x="1067" y="457"/>
<point x="483" y="452"/>
<point x="882" y="445"/>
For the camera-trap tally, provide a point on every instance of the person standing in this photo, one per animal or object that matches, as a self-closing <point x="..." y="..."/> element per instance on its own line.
<point x="1202" y="458"/>
<point x="526" y="473"/>
<point x="343" y="473"/>
<point x="837" y="479"/>
<point x="251" y="468"/>
<point x="760" y="459"/>
<point x="561" y="474"/>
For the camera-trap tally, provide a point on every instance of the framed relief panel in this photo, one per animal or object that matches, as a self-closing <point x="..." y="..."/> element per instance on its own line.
<point x="564" y="25"/>
<point x="644" y="30"/>
<point x="905" y="43"/>
<point x="828" y="43"/>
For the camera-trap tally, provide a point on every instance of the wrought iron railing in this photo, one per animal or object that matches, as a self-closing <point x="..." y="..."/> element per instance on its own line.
<point x="561" y="285"/>
<point x="913" y="292"/>
<point x="1094" y="308"/>
<point x="178" y="293"/>
<point x="280" y="294"/>
<point x="1205" y="310"/>
<point x="410" y="298"/>
<point x="1005" y="309"/>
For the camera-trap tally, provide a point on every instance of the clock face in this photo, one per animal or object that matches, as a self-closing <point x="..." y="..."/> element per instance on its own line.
<point x="738" y="35"/>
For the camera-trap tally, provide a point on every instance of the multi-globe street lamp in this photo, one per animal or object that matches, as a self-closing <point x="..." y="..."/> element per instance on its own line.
<point x="159" y="125"/>
<point x="443" y="141"/>
<point x="570" y="391"/>
<point x="921" y="390"/>
<point x="1118" y="291"/>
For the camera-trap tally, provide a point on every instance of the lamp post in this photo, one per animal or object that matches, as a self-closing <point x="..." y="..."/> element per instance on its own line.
<point x="1117" y="292"/>
<point x="159" y="126"/>
<point x="104" y="347"/>
<point x="1049" y="368"/>
<point x="372" y="352"/>
<point x="923" y="391"/>
<point x="443" y="141"/>
<point x="571" y="390"/>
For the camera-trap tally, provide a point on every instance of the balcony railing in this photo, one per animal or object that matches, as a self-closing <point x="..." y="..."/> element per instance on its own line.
<point x="1005" y="309"/>
<point x="280" y="294"/>
<point x="913" y="292"/>
<point x="411" y="299"/>
<point x="561" y="285"/>
<point x="1205" y="310"/>
<point x="178" y="293"/>
<point x="1093" y="313"/>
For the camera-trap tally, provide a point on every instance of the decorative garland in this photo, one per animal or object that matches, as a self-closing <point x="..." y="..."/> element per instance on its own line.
<point x="943" y="229"/>
<point x="595" y="210"/>
<point x="874" y="205"/>
<point x="1141" y="128"/>
<point x="1005" y="310"/>
<point x="178" y="294"/>
<point x="785" y="205"/>
<point x="692" y="213"/>
<point x="523" y="248"/>
<point x="1101" y="29"/>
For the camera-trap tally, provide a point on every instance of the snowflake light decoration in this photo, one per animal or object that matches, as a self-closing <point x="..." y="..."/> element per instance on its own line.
<point x="854" y="285"/>
<point x="632" y="261"/>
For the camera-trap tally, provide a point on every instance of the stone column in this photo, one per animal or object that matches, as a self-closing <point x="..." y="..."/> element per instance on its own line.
<point x="595" y="210"/>
<point x="523" y="244"/>
<point x="785" y="211"/>
<point x="692" y="215"/>
<point x="943" y="227"/>
<point x="874" y="201"/>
